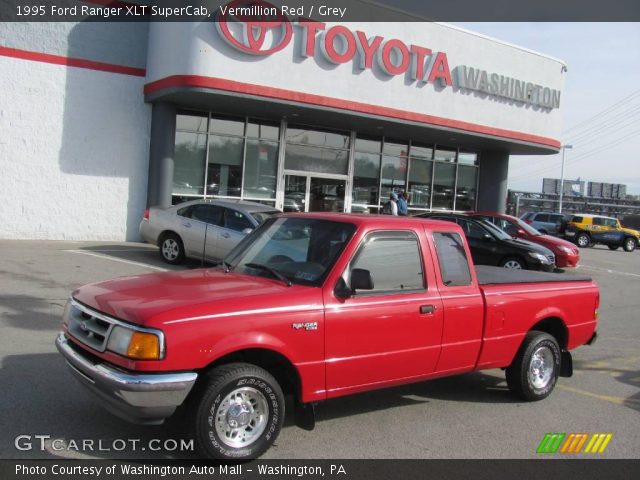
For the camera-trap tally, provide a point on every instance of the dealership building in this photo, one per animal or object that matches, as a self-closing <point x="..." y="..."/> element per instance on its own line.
<point x="101" y="120"/>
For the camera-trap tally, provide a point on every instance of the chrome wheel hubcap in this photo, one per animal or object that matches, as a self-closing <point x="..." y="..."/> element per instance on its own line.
<point x="170" y="249"/>
<point x="513" y="264"/>
<point x="583" y="241"/>
<point x="541" y="368"/>
<point x="241" y="417"/>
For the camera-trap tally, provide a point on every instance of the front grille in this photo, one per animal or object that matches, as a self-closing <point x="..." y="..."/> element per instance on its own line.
<point x="551" y="258"/>
<point x="88" y="326"/>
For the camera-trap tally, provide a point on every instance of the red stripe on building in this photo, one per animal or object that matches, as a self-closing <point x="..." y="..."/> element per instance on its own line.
<point x="308" y="98"/>
<point x="71" y="62"/>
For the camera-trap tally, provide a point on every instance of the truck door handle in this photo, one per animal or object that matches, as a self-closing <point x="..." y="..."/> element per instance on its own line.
<point x="186" y="224"/>
<point x="226" y="235"/>
<point x="427" y="309"/>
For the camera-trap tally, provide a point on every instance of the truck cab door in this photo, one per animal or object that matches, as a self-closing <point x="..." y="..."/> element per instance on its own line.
<point x="389" y="332"/>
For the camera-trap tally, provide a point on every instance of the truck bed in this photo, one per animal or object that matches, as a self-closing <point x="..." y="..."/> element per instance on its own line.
<point x="498" y="276"/>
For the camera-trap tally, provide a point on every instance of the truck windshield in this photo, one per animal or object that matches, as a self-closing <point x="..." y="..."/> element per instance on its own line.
<point x="302" y="250"/>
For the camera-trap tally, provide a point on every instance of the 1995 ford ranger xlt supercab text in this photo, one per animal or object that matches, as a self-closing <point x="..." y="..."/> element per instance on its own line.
<point x="318" y="306"/>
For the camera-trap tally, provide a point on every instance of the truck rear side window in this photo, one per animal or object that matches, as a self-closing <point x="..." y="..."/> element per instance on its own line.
<point x="393" y="259"/>
<point x="454" y="266"/>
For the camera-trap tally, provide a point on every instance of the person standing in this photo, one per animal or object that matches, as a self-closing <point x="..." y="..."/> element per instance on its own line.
<point x="403" y="207"/>
<point x="391" y="207"/>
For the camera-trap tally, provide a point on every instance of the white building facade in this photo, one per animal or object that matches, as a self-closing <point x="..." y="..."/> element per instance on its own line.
<point x="101" y="120"/>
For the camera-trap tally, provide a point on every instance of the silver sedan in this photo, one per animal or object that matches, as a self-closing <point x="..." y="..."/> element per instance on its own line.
<point x="201" y="229"/>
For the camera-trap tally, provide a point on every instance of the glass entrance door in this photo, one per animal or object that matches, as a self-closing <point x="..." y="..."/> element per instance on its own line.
<point x="313" y="194"/>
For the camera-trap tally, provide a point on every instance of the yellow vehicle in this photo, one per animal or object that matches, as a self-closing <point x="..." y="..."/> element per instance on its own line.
<point x="587" y="230"/>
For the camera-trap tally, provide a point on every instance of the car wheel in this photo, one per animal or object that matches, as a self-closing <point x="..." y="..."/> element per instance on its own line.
<point x="535" y="369"/>
<point x="513" y="263"/>
<point x="171" y="249"/>
<point x="240" y="413"/>
<point x="613" y="247"/>
<point x="629" y="244"/>
<point x="583" y="240"/>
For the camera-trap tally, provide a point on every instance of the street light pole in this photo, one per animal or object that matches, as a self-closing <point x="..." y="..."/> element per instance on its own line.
<point x="564" y="147"/>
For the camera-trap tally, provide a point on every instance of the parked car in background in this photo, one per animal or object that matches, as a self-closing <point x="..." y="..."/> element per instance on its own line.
<point x="567" y="255"/>
<point x="546" y="222"/>
<point x="492" y="246"/>
<point x="203" y="229"/>
<point x="586" y="230"/>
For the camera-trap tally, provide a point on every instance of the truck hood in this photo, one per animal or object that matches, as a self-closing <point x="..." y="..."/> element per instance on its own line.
<point x="157" y="298"/>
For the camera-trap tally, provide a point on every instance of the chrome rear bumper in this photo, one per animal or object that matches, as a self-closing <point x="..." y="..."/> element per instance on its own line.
<point x="140" y="398"/>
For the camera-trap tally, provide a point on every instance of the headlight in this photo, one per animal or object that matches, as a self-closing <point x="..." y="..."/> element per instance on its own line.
<point x="566" y="250"/>
<point x="541" y="258"/>
<point x="134" y="344"/>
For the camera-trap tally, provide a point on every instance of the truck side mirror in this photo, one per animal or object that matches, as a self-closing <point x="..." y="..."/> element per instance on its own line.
<point x="361" y="279"/>
<point x="342" y="290"/>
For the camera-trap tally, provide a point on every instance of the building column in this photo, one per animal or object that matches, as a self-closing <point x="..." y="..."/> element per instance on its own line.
<point x="492" y="185"/>
<point x="161" y="153"/>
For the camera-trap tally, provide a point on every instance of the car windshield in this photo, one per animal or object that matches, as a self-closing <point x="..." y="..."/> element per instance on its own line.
<point x="527" y="228"/>
<point x="501" y="234"/>
<point x="302" y="250"/>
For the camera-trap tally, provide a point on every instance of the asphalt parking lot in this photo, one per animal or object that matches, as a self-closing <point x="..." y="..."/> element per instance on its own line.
<point x="468" y="416"/>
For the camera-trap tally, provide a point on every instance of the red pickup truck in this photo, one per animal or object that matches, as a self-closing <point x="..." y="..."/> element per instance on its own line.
<point x="317" y="306"/>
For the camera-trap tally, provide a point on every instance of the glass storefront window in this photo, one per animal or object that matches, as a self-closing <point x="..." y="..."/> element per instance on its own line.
<point x="315" y="159"/>
<point x="227" y="126"/>
<point x="392" y="147"/>
<point x="263" y="130"/>
<point x="224" y="172"/>
<point x="195" y="122"/>
<point x="466" y="187"/>
<point x="188" y="174"/>
<point x="443" y="182"/>
<point x="468" y="158"/>
<point x="320" y="138"/>
<point x="421" y="151"/>
<point x="365" y="178"/>
<point x="393" y="173"/>
<point x="420" y="171"/>
<point x="261" y="166"/>
<point x="445" y="155"/>
<point x="368" y="145"/>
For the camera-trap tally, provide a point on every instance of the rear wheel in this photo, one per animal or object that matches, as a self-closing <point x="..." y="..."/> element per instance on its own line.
<point x="240" y="413"/>
<point x="583" y="240"/>
<point x="534" y="372"/>
<point x="513" y="263"/>
<point x="629" y="244"/>
<point x="171" y="249"/>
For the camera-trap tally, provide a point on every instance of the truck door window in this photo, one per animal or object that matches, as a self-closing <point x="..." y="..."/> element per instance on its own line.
<point x="454" y="266"/>
<point x="394" y="261"/>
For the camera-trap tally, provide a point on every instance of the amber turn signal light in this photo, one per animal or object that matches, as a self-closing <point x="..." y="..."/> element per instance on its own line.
<point x="144" y="346"/>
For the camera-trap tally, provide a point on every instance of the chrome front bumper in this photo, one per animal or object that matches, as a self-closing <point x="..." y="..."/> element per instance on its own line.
<point x="140" y="398"/>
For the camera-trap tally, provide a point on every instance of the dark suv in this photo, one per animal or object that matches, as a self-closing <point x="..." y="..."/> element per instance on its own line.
<point x="490" y="245"/>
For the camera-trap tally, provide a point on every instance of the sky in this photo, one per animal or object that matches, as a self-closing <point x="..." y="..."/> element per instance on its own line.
<point x="600" y="101"/>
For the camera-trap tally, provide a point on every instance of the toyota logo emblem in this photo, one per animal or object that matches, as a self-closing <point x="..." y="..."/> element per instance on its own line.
<point x="248" y="28"/>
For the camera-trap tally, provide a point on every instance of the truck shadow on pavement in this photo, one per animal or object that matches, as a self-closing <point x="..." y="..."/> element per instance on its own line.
<point x="472" y="387"/>
<point x="629" y="376"/>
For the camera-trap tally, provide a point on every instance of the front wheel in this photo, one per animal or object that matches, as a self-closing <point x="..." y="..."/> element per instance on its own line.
<point x="240" y="413"/>
<point x="513" y="263"/>
<point x="583" y="240"/>
<point x="534" y="372"/>
<point x="629" y="244"/>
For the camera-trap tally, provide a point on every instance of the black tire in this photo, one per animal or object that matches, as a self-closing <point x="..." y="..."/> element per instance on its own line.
<point x="260" y="412"/>
<point x="539" y="349"/>
<point x="511" y="262"/>
<point x="629" y="244"/>
<point x="583" y="240"/>
<point x="613" y="247"/>
<point x="171" y="248"/>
